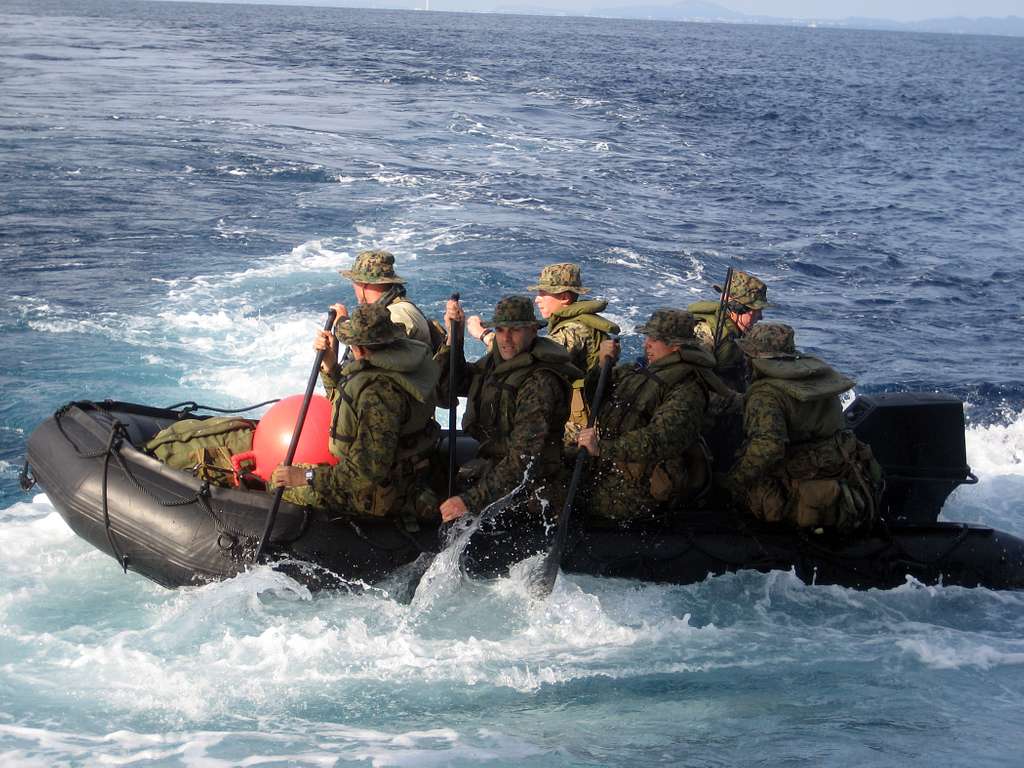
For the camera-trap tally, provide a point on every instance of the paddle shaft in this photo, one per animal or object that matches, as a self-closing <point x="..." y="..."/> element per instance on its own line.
<point x="723" y="306"/>
<point x="293" y="446"/>
<point x="554" y="555"/>
<point x="454" y="363"/>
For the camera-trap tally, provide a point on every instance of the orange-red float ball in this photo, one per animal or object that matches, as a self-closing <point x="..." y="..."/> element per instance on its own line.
<point x="274" y="435"/>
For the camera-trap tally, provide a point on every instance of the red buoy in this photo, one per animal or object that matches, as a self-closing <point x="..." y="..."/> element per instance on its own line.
<point x="274" y="435"/>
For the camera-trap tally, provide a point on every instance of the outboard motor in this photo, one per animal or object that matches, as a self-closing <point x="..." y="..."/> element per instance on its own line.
<point x="918" y="438"/>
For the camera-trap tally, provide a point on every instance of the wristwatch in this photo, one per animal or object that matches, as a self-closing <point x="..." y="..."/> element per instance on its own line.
<point x="309" y="477"/>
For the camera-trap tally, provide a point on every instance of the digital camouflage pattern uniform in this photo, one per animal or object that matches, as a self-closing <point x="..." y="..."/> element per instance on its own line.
<point x="798" y="463"/>
<point x="377" y="267"/>
<point x="382" y="425"/>
<point x="649" y="425"/>
<point x="746" y="292"/>
<point x="579" y="328"/>
<point x="516" y="409"/>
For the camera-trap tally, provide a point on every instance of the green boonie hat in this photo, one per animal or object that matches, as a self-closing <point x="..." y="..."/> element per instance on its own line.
<point x="374" y="267"/>
<point x="769" y="340"/>
<point x="369" y="325"/>
<point x="747" y="290"/>
<point x="556" y="278"/>
<point x="672" y="326"/>
<point x="514" y="312"/>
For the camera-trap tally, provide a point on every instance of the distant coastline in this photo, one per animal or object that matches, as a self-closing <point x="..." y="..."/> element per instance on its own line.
<point x="695" y="11"/>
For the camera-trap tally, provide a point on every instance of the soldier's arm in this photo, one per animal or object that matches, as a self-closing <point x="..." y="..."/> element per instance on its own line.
<point x="765" y="438"/>
<point x="539" y="400"/>
<point x="674" y="427"/>
<point x="330" y="380"/>
<point x="382" y="410"/>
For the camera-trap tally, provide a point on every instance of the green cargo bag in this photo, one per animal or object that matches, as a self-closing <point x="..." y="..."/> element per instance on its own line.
<point x="204" y="447"/>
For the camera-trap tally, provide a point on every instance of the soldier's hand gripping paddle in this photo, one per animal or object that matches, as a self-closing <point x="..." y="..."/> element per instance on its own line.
<point x="544" y="581"/>
<point x="300" y="420"/>
<point x="455" y="354"/>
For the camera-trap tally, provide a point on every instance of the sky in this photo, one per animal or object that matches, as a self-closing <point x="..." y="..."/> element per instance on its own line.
<point x="893" y="10"/>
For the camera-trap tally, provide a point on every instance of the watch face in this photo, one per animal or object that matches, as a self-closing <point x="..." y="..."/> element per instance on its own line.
<point x="309" y="476"/>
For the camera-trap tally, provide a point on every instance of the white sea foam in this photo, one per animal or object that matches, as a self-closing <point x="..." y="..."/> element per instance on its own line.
<point x="295" y="743"/>
<point x="997" y="449"/>
<point x="954" y="652"/>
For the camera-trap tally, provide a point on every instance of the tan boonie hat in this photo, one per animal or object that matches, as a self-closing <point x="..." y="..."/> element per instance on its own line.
<point x="514" y="312"/>
<point x="369" y="325"/>
<point x="556" y="278"/>
<point x="769" y="340"/>
<point x="747" y="290"/>
<point x="672" y="326"/>
<point x="374" y="267"/>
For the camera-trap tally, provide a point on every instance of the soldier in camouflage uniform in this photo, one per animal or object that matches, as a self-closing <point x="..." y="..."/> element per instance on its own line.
<point x="382" y="426"/>
<point x="798" y="463"/>
<point x="747" y="297"/>
<point x="574" y="324"/>
<point x="374" y="281"/>
<point x="517" y="403"/>
<point x="647" y="441"/>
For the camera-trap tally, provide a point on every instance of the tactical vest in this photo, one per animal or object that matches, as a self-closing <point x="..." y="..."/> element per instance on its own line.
<point x="637" y="396"/>
<point x="585" y="313"/>
<point x="828" y="478"/>
<point x="418" y="434"/>
<point x="491" y="405"/>
<point x="597" y="328"/>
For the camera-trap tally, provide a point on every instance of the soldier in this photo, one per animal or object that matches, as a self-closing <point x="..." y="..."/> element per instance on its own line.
<point x="648" y="437"/>
<point x="574" y="324"/>
<point x="798" y="463"/>
<point x="382" y="424"/>
<point x="374" y="282"/>
<point x="518" y="400"/>
<point x="747" y="297"/>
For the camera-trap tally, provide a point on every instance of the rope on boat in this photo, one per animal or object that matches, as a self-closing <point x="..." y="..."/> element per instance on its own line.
<point x="191" y="406"/>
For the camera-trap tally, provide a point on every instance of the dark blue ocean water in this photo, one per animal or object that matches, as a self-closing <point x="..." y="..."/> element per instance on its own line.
<point x="179" y="184"/>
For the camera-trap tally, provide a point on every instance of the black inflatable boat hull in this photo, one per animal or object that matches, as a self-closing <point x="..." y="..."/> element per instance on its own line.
<point x="163" y="524"/>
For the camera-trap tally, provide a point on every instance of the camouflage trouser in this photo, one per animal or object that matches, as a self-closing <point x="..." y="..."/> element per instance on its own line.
<point x="412" y="499"/>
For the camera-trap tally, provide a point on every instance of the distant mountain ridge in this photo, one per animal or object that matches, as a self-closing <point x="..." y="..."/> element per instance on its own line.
<point x="685" y="10"/>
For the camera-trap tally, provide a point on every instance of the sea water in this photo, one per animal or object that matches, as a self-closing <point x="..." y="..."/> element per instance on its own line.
<point x="179" y="184"/>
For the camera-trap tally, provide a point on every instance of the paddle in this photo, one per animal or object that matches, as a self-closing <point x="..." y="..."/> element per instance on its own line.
<point x="310" y="386"/>
<point x="545" y="582"/>
<point x="454" y="360"/>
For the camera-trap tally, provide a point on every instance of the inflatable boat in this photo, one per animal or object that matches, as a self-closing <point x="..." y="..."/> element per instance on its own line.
<point x="178" y="530"/>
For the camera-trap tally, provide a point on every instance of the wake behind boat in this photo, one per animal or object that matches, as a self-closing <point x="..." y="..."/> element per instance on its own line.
<point x="177" y="530"/>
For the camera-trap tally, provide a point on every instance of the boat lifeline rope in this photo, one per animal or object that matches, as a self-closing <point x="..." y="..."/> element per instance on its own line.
<point x="118" y="433"/>
<point x="191" y="406"/>
<point x="113" y="444"/>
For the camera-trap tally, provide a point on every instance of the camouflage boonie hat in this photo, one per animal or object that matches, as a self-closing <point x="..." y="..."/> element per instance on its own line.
<point x="369" y="325"/>
<point x="556" y="278"/>
<point x="374" y="267"/>
<point x="672" y="326"/>
<point x="747" y="290"/>
<point x="514" y="312"/>
<point x="769" y="340"/>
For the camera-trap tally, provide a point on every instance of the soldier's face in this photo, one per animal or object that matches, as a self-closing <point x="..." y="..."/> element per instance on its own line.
<point x="746" y="320"/>
<point x="655" y="349"/>
<point x="548" y="303"/>
<point x="367" y="293"/>
<point x="514" y="341"/>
